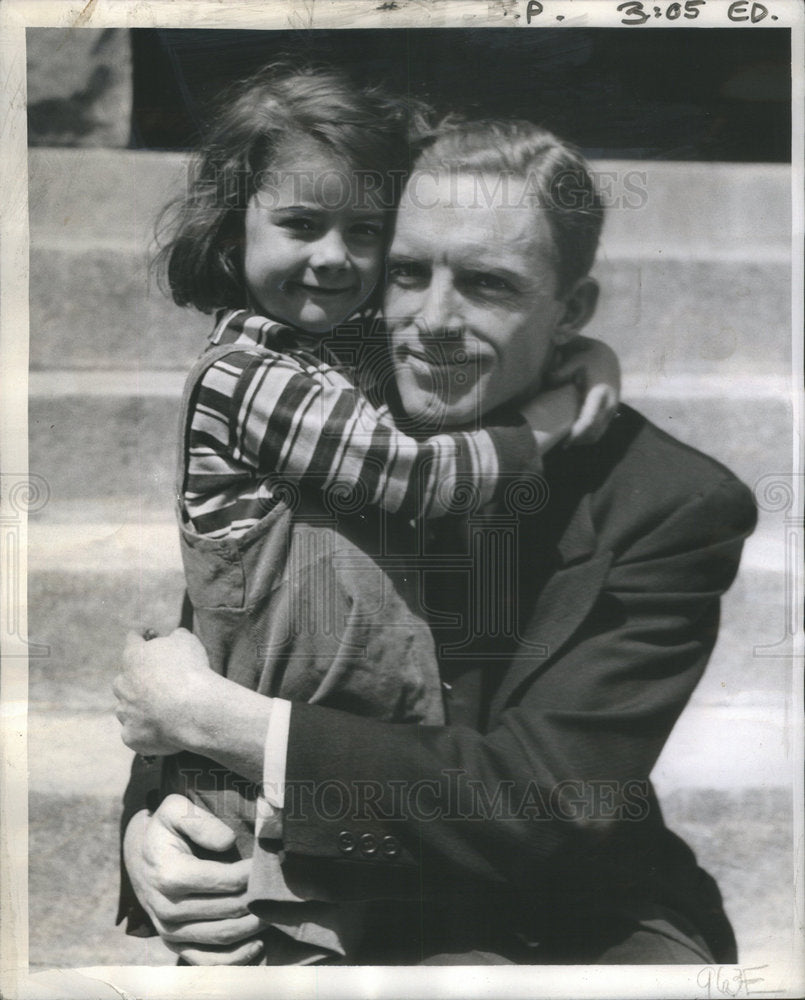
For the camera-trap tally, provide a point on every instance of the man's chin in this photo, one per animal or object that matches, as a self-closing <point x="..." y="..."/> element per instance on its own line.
<point x="428" y="410"/>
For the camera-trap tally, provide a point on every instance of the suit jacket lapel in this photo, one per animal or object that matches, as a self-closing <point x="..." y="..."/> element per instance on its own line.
<point x="564" y="601"/>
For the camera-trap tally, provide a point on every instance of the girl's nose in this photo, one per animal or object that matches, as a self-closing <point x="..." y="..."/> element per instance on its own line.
<point x="329" y="251"/>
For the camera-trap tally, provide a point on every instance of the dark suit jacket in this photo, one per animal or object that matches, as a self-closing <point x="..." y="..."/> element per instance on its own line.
<point x="531" y="812"/>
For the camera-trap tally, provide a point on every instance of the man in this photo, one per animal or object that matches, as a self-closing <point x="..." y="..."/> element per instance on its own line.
<point x="526" y="829"/>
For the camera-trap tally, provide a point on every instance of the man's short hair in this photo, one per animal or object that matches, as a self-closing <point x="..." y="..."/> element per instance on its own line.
<point x="558" y="180"/>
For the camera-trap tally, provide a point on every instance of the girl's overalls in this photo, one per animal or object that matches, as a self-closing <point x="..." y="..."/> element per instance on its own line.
<point x="299" y="607"/>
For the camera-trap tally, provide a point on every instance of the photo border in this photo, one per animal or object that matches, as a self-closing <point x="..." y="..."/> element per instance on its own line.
<point x="381" y="982"/>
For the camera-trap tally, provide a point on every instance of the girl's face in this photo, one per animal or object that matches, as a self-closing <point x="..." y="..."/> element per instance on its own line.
<point x="315" y="239"/>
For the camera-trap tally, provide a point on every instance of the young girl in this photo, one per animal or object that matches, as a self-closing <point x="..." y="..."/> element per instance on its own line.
<point x="294" y="483"/>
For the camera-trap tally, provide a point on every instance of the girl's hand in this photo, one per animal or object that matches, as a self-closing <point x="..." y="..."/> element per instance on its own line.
<point x="157" y="688"/>
<point x="551" y="415"/>
<point x="593" y="368"/>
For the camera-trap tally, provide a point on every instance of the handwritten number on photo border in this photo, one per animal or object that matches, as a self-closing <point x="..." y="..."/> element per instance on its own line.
<point x="690" y="10"/>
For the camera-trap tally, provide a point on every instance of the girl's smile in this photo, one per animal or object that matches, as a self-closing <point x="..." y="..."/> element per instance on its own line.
<point x="319" y="289"/>
<point x="314" y="240"/>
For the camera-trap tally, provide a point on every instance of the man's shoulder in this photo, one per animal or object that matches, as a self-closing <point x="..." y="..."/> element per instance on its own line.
<point x="659" y="459"/>
<point x="639" y="472"/>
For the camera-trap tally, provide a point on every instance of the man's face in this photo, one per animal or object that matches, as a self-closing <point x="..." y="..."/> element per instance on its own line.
<point x="471" y="302"/>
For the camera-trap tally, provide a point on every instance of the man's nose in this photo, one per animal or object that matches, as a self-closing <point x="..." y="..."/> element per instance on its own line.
<point x="329" y="250"/>
<point x="438" y="314"/>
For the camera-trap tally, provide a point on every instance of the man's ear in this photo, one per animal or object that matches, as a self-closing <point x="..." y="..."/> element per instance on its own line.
<point x="580" y="303"/>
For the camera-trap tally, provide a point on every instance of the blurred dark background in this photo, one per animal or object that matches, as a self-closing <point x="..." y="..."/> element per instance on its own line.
<point x="681" y="94"/>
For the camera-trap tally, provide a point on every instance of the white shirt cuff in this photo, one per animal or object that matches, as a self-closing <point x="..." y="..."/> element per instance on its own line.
<point x="272" y="798"/>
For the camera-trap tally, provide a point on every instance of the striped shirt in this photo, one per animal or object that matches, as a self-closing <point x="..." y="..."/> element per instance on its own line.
<point x="277" y="411"/>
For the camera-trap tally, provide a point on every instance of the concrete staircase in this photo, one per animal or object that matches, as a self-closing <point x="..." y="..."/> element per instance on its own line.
<point x="696" y="299"/>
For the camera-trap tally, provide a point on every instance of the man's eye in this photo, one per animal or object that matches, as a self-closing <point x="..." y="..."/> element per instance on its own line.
<point x="406" y="273"/>
<point x="490" y="282"/>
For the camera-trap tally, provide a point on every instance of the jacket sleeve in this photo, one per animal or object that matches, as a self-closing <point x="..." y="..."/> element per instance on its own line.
<point x="142" y="792"/>
<point x="380" y="810"/>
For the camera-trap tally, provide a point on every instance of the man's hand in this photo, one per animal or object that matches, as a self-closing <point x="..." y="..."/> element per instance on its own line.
<point x="154" y="690"/>
<point x="196" y="906"/>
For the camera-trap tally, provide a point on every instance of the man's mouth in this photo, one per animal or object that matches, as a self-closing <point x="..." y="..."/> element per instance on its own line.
<point x="453" y="359"/>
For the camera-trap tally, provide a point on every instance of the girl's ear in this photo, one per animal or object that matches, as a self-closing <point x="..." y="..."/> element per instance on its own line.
<point x="580" y="303"/>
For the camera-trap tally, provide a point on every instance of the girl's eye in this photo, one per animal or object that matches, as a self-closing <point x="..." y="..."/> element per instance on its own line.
<point x="368" y="230"/>
<point x="298" y="224"/>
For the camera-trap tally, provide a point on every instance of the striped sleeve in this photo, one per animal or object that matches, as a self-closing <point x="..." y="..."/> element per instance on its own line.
<point x="293" y="421"/>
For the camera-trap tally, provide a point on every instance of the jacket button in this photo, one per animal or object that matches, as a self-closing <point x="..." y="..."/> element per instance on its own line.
<point x="368" y="844"/>
<point x="346" y="842"/>
<point x="390" y="847"/>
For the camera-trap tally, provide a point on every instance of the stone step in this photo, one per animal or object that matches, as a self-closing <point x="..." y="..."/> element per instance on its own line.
<point x="741" y="836"/>
<point x="89" y="585"/>
<point x="81" y="195"/>
<point x="85" y="196"/>
<point x="668" y="316"/>
<point x="725" y="747"/>
<point x="72" y="907"/>
<point x="116" y="452"/>
<point x="79" y="622"/>
<point x="694" y="266"/>
<point x="98" y="307"/>
<point x="724" y="777"/>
